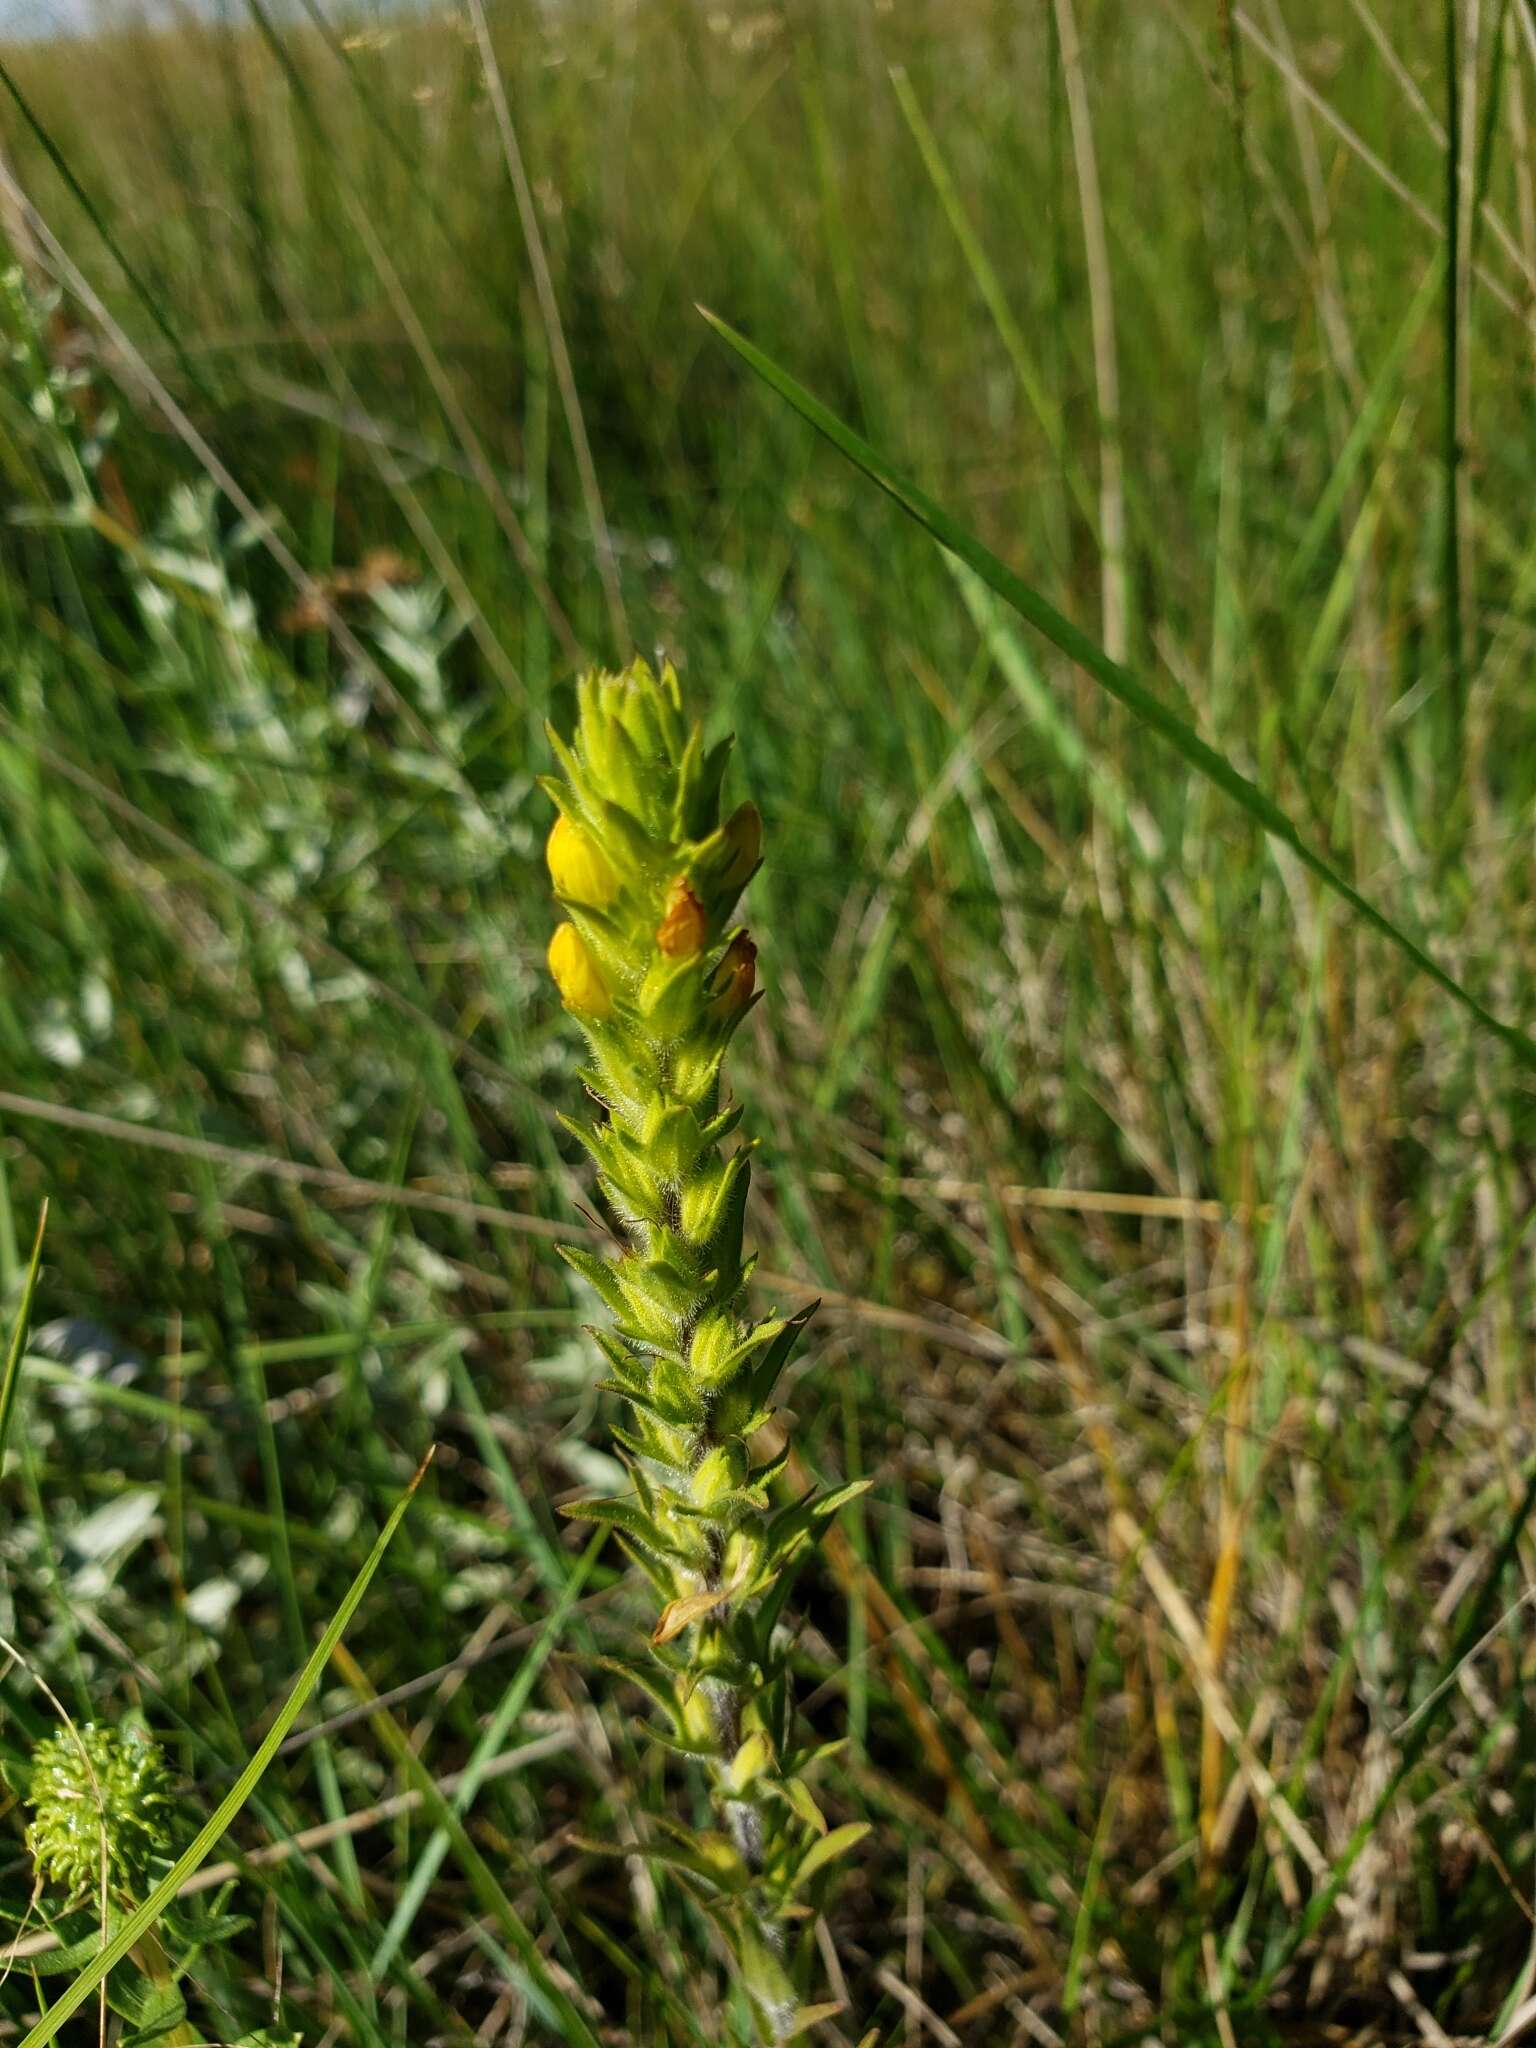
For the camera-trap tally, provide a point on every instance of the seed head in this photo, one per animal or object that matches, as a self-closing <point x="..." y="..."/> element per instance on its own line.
<point x="97" y="1794"/>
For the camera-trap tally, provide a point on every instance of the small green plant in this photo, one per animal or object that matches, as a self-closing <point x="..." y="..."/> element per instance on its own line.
<point x="659" y="976"/>
<point x="100" y="1801"/>
<point x="101" y="1808"/>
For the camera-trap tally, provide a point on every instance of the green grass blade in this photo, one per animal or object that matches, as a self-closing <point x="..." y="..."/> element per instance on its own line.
<point x="1467" y="1641"/>
<point x="139" y="1922"/>
<point x="492" y="1897"/>
<point x="486" y="1750"/>
<point x="1451" y="537"/>
<point x="1111" y="675"/>
<point x="19" y="1334"/>
<point x="1046" y="410"/>
<point x="148" y="299"/>
<point x="1378" y="402"/>
<point x="1024" y="679"/>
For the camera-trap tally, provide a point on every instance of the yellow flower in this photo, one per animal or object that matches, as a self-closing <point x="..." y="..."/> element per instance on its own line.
<point x="743" y="831"/>
<point x="581" y="987"/>
<point x="578" y="867"/>
<point x="681" y="932"/>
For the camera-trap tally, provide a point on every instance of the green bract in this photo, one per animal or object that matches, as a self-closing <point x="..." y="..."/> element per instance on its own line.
<point x="654" y="966"/>
<point x="101" y="1801"/>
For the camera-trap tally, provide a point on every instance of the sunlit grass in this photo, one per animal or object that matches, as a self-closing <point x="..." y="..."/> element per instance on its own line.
<point x="1172" y="1229"/>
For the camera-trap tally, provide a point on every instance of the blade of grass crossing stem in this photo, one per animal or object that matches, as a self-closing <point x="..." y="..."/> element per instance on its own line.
<point x="1039" y="702"/>
<point x="1111" y="675"/>
<point x="485" y="1752"/>
<point x="140" y="1921"/>
<point x="19" y="1333"/>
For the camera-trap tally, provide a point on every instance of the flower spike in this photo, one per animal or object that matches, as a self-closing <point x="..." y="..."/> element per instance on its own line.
<point x="654" y="967"/>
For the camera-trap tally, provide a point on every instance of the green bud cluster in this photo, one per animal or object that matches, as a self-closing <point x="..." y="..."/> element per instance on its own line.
<point x="654" y="966"/>
<point x="100" y="1800"/>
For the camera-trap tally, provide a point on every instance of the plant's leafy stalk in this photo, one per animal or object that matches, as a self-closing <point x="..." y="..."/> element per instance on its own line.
<point x="654" y="967"/>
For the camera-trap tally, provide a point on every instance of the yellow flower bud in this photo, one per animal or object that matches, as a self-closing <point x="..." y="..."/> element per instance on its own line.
<point x="743" y="831"/>
<point x="751" y="1760"/>
<point x="735" y="978"/>
<point x="719" y="1472"/>
<point x="699" y="1719"/>
<point x="578" y="867"/>
<point x="681" y="932"/>
<point x="581" y="987"/>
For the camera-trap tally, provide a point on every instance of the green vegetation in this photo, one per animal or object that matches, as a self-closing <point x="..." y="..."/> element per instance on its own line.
<point x="1171" y="1224"/>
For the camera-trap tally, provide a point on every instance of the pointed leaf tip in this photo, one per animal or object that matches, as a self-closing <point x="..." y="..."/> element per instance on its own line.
<point x="827" y="1848"/>
<point x="810" y="2016"/>
<point x="680" y="1614"/>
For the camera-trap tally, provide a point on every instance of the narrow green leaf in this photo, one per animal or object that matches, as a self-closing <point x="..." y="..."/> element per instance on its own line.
<point x="19" y="1333"/>
<point x="642" y="1675"/>
<point x="827" y="1848"/>
<point x="599" y="1275"/>
<point x="138" y="1923"/>
<point x="74" y="1955"/>
<point x="670" y="1856"/>
<point x="529" y="1967"/>
<point x="829" y="1506"/>
<point x="618" y="1514"/>
<point x="1111" y="675"/>
<point x="811" y="2016"/>
<point x="487" y="1749"/>
<point x="797" y="1796"/>
<point x="1378" y="399"/>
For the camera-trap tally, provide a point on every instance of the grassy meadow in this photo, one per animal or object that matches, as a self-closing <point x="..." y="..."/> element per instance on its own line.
<point x="1172" y="1229"/>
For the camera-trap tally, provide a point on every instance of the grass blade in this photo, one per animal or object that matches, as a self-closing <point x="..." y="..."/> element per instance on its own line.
<point x="1112" y="675"/>
<point x="1047" y="412"/>
<point x="1467" y="1641"/>
<point x="486" y="1750"/>
<point x="1378" y="402"/>
<point x="19" y="1333"/>
<point x="493" y="1899"/>
<point x="139" y="1922"/>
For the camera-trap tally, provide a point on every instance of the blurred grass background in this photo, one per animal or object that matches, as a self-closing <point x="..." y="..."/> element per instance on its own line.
<point x="1173" y="1238"/>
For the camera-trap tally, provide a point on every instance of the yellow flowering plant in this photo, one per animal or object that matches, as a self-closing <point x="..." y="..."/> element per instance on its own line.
<point x="654" y="968"/>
